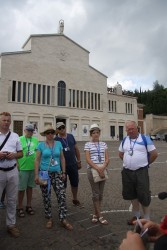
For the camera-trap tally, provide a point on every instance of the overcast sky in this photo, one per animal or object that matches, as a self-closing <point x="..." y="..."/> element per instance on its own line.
<point x="127" y="39"/>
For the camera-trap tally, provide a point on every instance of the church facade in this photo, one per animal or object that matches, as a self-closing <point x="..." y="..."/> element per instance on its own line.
<point x="50" y="80"/>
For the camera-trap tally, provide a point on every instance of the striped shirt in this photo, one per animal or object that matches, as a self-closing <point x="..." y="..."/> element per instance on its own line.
<point x="97" y="151"/>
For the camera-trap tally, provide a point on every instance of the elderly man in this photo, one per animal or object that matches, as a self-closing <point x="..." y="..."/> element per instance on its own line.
<point x="137" y="152"/>
<point x="10" y="151"/>
<point x="26" y="170"/>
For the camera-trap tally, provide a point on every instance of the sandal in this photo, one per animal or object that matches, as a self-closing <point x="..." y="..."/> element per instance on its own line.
<point x="94" y="219"/>
<point x="29" y="210"/>
<point x="66" y="225"/>
<point x="20" y="213"/>
<point x="49" y="224"/>
<point x="103" y="221"/>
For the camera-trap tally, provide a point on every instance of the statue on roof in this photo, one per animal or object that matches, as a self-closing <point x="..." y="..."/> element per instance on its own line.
<point x="61" y="26"/>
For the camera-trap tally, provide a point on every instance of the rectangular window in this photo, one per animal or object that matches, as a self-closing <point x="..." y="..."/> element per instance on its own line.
<point x="13" y="91"/>
<point x="19" y="92"/>
<point x="24" y="91"/>
<point x="112" y="131"/>
<point x="34" y="93"/>
<point x="69" y="97"/>
<point x="48" y="95"/>
<point x="73" y="97"/>
<point x="29" y="92"/>
<point x="81" y="99"/>
<point x="109" y="105"/>
<point x="39" y="93"/>
<point x="95" y="101"/>
<point x="77" y="98"/>
<point x="99" y="106"/>
<point x="43" y="94"/>
<point x="92" y="101"/>
<point x="126" y="110"/>
<point x="18" y="127"/>
<point x="51" y="95"/>
<point x="88" y="100"/>
<point x="85" y="100"/>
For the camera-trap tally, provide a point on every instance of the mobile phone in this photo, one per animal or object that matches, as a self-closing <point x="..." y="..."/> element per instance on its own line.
<point x="138" y="227"/>
<point x="143" y="233"/>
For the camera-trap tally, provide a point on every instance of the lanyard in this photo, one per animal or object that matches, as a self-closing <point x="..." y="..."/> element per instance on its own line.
<point x="98" y="151"/>
<point x="133" y="144"/>
<point x="28" y="144"/>
<point x="51" y="149"/>
<point x="65" y="142"/>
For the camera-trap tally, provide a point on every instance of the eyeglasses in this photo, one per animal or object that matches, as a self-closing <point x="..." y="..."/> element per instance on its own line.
<point x="62" y="127"/>
<point x="50" y="132"/>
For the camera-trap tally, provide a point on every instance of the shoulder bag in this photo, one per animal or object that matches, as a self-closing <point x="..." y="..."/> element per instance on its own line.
<point x="96" y="176"/>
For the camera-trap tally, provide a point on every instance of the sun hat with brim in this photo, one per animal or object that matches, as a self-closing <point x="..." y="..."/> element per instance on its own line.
<point x="47" y="128"/>
<point x="93" y="127"/>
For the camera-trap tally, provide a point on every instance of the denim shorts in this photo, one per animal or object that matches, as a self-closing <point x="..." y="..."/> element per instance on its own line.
<point x="136" y="185"/>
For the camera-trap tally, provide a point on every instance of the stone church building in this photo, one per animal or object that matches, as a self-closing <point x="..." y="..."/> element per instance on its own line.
<point x="50" y="80"/>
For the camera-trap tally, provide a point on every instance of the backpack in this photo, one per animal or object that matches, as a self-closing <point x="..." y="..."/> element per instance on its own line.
<point x="145" y="144"/>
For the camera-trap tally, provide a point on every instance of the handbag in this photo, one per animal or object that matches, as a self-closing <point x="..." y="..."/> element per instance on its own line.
<point x="96" y="176"/>
<point x="43" y="177"/>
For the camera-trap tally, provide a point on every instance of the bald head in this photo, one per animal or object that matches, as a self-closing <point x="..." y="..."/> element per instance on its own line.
<point x="131" y="129"/>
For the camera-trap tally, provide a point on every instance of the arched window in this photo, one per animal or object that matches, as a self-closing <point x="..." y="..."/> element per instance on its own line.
<point x="61" y="93"/>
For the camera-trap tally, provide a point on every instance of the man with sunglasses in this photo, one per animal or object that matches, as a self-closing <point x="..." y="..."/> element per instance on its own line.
<point x="72" y="157"/>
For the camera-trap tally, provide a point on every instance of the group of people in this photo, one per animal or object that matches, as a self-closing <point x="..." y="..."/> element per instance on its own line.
<point x="57" y="157"/>
<point x="23" y="158"/>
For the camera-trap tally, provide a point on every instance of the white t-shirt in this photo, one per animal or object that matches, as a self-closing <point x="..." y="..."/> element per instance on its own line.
<point x="135" y="152"/>
<point x="12" y="145"/>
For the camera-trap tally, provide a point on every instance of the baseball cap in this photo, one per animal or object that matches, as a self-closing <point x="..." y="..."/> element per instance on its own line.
<point x="59" y="124"/>
<point x="29" y="127"/>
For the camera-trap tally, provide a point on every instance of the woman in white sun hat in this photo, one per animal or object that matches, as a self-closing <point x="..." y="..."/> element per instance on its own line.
<point x="97" y="158"/>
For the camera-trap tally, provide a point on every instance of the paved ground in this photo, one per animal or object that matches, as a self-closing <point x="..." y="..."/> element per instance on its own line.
<point x="86" y="235"/>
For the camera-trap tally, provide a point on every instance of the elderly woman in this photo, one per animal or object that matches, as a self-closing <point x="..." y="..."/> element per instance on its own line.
<point x="50" y="163"/>
<point x="96" y="153"/>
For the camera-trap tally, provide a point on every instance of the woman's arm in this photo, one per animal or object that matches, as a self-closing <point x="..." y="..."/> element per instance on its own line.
<point x="63" y="163"/>
<point x="106" y="159"/>
<point x="37" y="163"/>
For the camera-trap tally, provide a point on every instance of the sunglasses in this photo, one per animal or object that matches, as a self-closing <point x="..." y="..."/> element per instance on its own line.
<point x="62" y="127"/>
<point x="50" y="132"/>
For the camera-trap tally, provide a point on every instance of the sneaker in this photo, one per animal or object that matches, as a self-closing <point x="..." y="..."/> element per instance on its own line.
<point x="13" y="231"/>
<point x="2" y="205"/>
<point x="77" y="203"/>
<point x="130" y="222"/>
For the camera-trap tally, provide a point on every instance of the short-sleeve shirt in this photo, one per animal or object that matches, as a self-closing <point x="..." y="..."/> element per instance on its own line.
<point x="12" y="145"/>
<point x="139" y="158"/>
<point x="29" y="146"/>
<point x="48" y="154"/>
<point x="68" y="144"/>
<point x="96" y="150"/>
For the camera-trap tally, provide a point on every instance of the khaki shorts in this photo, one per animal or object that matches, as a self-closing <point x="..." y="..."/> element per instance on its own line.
<point x="136" y="185"/>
